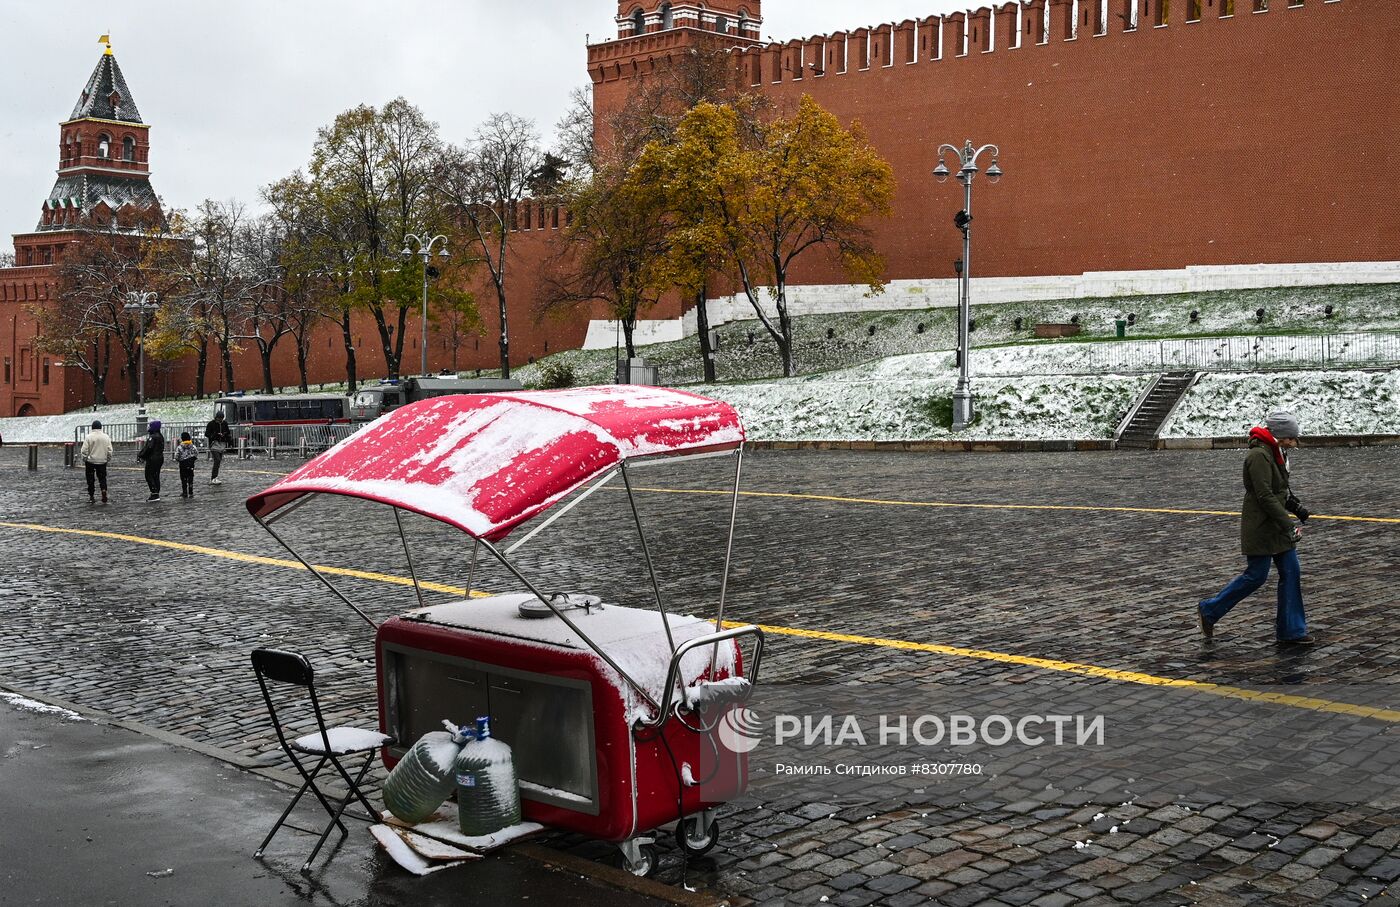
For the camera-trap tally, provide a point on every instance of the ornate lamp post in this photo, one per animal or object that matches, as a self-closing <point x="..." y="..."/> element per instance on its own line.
<point x="141" y="304"/>
<point x="425" y="251"/>
<point x="966" y="157"/>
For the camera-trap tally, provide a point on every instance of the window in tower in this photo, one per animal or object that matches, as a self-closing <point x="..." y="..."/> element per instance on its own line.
<point x="104" y="142"/>
<point x="667" y="21"/>
<point x="722" y="25"/>
<point x="638" y="22"/>
<point x="128" y="149"/>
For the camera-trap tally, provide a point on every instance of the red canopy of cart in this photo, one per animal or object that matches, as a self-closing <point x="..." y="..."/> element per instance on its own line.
<point x="487" y="462"/>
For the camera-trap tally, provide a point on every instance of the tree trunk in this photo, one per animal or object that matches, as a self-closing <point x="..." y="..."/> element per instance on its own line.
<point x="505" y="336"/>
<point x="201" y="362"/>
<point x="386" y="340"/>
<point x="403" y="326"/>
<point x="629" y="326"/>
<point x="784" y="329"/>
<point x="702" y="326"/>
<point x="265" y="353"/>
<point x="301" y="362"/>
<point x="349" y="338"/>
<point x="228" y="366"/>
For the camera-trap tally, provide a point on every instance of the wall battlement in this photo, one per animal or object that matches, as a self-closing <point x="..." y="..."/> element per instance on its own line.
<point x="1016" y="25"/>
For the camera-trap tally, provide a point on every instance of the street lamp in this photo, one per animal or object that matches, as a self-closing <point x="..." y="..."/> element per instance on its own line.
<point x="140" y="303"/>
<point x="966" y="157"/>
<point x="425" y="252"/>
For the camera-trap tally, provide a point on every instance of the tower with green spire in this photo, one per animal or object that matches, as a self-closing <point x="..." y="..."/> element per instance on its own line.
<point x="104" y="173"/>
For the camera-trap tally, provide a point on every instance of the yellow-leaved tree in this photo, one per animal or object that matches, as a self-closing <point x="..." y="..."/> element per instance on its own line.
<point x="751" y="196"/>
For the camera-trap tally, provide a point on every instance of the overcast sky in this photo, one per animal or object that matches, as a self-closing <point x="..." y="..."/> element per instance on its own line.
<point x="235" y="91"/>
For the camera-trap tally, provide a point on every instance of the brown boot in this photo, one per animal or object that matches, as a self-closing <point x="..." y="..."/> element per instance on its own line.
<point x="104" y="495"/>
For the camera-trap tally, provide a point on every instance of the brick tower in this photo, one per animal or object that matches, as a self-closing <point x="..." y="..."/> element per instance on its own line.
<point x="652" y="32"/>
<point x="104" y="174"/>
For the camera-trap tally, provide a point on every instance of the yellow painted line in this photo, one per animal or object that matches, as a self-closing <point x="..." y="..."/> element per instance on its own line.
<point x="247" y="558"/>
<point x="1310" y="703"/>
<point x="959" y="505"/>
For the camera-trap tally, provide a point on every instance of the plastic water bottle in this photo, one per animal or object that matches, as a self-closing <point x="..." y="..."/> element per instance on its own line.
<point x="424" y="777"/>
<point x="488" y="797"/>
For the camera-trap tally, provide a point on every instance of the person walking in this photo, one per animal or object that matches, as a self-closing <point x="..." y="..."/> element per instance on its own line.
<point x="96" y="453"/>
<point x="1267" y="533"/>
<point x="186" y="455"/>
<point x="220" y="439"/>
<point x="152" y="453"/>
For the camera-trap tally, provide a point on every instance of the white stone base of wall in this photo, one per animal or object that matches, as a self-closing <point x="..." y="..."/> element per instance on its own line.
<point x="826" y="299"/>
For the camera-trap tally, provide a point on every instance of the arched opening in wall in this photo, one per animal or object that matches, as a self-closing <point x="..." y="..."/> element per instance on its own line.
<point x="104" y="144"/>
<point x="743" y="21"/>
<point x="667" y="20"/>
<point x="26" y="411"/>
<point x="722" y="24"/>
<point x="128" y="149"/>
<point x="639" y="21"/>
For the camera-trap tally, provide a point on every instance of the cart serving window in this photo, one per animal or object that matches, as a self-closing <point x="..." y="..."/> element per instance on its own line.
<point x="486" y="464"/>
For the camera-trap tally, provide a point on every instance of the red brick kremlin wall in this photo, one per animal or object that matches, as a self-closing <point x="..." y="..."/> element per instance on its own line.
<point x="1259" y="137"/>
<point x="1263" y="137"/>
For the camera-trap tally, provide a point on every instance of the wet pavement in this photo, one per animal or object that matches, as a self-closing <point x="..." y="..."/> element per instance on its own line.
<point x="97" y="814"/>
<point x="1010" y="601"/>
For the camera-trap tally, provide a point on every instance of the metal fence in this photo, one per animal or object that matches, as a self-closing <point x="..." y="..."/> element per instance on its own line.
<point x="1274" y="351"/>
<point x="271" y="440"/>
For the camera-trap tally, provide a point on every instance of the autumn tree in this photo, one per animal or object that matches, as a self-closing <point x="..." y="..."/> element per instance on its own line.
<point x="485" y="181"/>
<point x="611" y="249"/>
<point x="372" y="174"/>
<point x="762" y="194"/>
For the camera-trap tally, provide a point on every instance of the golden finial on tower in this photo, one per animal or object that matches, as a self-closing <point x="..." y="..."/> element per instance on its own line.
<point x="107" y="40"/>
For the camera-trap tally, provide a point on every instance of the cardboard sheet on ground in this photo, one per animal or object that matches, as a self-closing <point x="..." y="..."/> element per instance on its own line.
<point x="418" y="854"/>
<point x="442" y="826"/>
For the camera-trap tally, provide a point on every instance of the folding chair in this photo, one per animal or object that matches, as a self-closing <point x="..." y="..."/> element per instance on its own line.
<point x="328" y="745"/>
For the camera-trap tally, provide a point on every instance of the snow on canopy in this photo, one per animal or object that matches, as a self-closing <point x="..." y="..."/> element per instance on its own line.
<point x="487" y="462"/>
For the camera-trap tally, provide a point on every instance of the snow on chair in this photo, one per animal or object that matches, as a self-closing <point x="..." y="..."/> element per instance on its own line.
<point x="328" y="745"/>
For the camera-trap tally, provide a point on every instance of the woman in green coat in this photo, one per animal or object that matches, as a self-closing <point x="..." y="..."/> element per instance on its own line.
<point x="1267" y="533"/>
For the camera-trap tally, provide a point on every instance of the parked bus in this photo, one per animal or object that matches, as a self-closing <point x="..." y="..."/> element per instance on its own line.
<point x="259" y="418"/>
<point x="373" y="401"/>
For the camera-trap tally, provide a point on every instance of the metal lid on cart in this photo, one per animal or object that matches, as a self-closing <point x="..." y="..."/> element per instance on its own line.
<point x="487" y="462"/>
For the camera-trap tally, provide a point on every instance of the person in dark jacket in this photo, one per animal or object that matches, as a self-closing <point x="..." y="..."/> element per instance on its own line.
<point x="220" y="439"/>
<point x="1267" y="533"/>
<point x="152" y="453"/>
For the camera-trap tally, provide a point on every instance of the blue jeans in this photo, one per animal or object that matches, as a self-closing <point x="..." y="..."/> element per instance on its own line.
<point x="1291" y="622"/>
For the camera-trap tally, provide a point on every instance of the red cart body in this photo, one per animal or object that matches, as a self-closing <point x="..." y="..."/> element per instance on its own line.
<point x="565" y="712"/>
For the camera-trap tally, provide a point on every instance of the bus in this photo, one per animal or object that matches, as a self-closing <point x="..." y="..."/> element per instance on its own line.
<point x="259" y="418"/>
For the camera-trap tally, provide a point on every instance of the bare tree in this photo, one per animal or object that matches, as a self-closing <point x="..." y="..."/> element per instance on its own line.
<point x="485" y="181"/>
<point x="88" y="322"/>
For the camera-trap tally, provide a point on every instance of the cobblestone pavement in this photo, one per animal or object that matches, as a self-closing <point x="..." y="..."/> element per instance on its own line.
<point x="161" y="636"/>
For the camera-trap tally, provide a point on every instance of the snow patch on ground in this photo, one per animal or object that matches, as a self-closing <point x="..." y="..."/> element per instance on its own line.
<point x="42" y="708"/>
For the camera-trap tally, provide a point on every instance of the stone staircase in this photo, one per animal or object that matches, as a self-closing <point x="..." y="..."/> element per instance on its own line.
<point x="1141" y="428"/>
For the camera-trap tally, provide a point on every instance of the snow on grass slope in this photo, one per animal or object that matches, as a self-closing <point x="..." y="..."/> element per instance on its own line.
<point x="1326" y="403"/>
<point x="918" y="409"/>
<point x="826" y="342"/>
<point x="50" y="429"/>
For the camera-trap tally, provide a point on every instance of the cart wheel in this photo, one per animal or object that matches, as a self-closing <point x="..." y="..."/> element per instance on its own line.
<point x="646" y="862"/>
<point x="694" y="839"/>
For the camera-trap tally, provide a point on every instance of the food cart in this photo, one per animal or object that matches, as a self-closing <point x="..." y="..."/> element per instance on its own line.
<point x="614" y="713"/>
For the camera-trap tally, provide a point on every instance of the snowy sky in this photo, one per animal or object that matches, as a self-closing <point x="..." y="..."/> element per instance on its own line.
<point x="235" y="91"/>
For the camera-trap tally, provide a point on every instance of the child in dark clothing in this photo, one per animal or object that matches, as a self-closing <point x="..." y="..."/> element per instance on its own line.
<point x="186" y="455"/>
